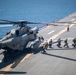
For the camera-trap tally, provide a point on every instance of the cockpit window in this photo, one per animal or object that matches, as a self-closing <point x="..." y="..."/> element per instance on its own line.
<point x="17" y="32"/>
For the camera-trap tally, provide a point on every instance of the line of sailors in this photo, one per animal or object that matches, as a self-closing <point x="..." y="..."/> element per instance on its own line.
<point x="46" y="44"/>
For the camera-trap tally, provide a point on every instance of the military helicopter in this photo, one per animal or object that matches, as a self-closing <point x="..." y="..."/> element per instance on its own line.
<point x="17" y="39"/>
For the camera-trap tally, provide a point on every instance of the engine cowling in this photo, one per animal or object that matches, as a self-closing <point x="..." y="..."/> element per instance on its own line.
<point x="34" y="30"/>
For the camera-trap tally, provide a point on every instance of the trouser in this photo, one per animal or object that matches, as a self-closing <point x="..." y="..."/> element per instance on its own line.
<point x="43" y="50"/>
<point x="50" y="45"/>
<point x="58" y="44"/>
<point x="66" y="44"/>
<point x="74" y="45"/>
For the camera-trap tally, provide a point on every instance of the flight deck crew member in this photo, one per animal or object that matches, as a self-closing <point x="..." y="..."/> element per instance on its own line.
<point x="42" y="38"/>
<point x="59" y="42"/>
<point x="74" y="42"/>
<point x="50" y="43"/>
<point x="67" y="28"/>
<point x="66" y="43"/>
<point x="46" y="44"/>
<point x="43" y="48"/>
<point x="39" y="38"/>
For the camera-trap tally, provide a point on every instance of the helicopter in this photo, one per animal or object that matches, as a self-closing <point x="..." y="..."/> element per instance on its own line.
<point x="17" y="39"/>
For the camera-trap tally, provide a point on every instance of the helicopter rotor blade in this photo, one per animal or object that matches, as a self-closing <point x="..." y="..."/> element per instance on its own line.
<point x="5" y="26"/>
<point x="65" y="22"/>
<point x="35" y="23"/>
<point x="6" y="21"/>
<point x="22" y="22"/>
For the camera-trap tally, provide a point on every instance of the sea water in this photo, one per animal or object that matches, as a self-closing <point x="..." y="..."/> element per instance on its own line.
<point x="34" y="11"/>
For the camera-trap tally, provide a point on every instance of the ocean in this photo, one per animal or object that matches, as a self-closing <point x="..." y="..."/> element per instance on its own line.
<point x="34" y="11"/>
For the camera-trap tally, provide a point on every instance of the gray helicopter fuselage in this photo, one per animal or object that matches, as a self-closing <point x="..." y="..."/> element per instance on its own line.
<point x="19" y="42"/>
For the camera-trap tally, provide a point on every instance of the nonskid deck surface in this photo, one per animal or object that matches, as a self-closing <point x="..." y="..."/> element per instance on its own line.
<point x="56" y="61"/>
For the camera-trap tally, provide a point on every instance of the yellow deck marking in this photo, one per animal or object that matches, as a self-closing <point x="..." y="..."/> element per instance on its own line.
<point x="26" y="57"/>
<point x="20" y="60"/>
<point x="8" y="68"/>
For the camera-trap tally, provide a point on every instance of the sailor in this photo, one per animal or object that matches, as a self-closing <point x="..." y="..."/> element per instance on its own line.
<point x="66" y="43"/>
<point x="42" y="38"/>
<point x="43" y="47"/>
<point x="74" y="42"/>
<point x="46" y="44"/>
<point x="39" y="38"/>
<point x="67" y="28"/>
<point x="59" y="42"/>
<point x="50" y="43"/>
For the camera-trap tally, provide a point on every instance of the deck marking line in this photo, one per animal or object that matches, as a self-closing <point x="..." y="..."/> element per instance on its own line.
<point x="73" y="19"/>
<point x="26" y="57"/>
<point x="51" y="32"/>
